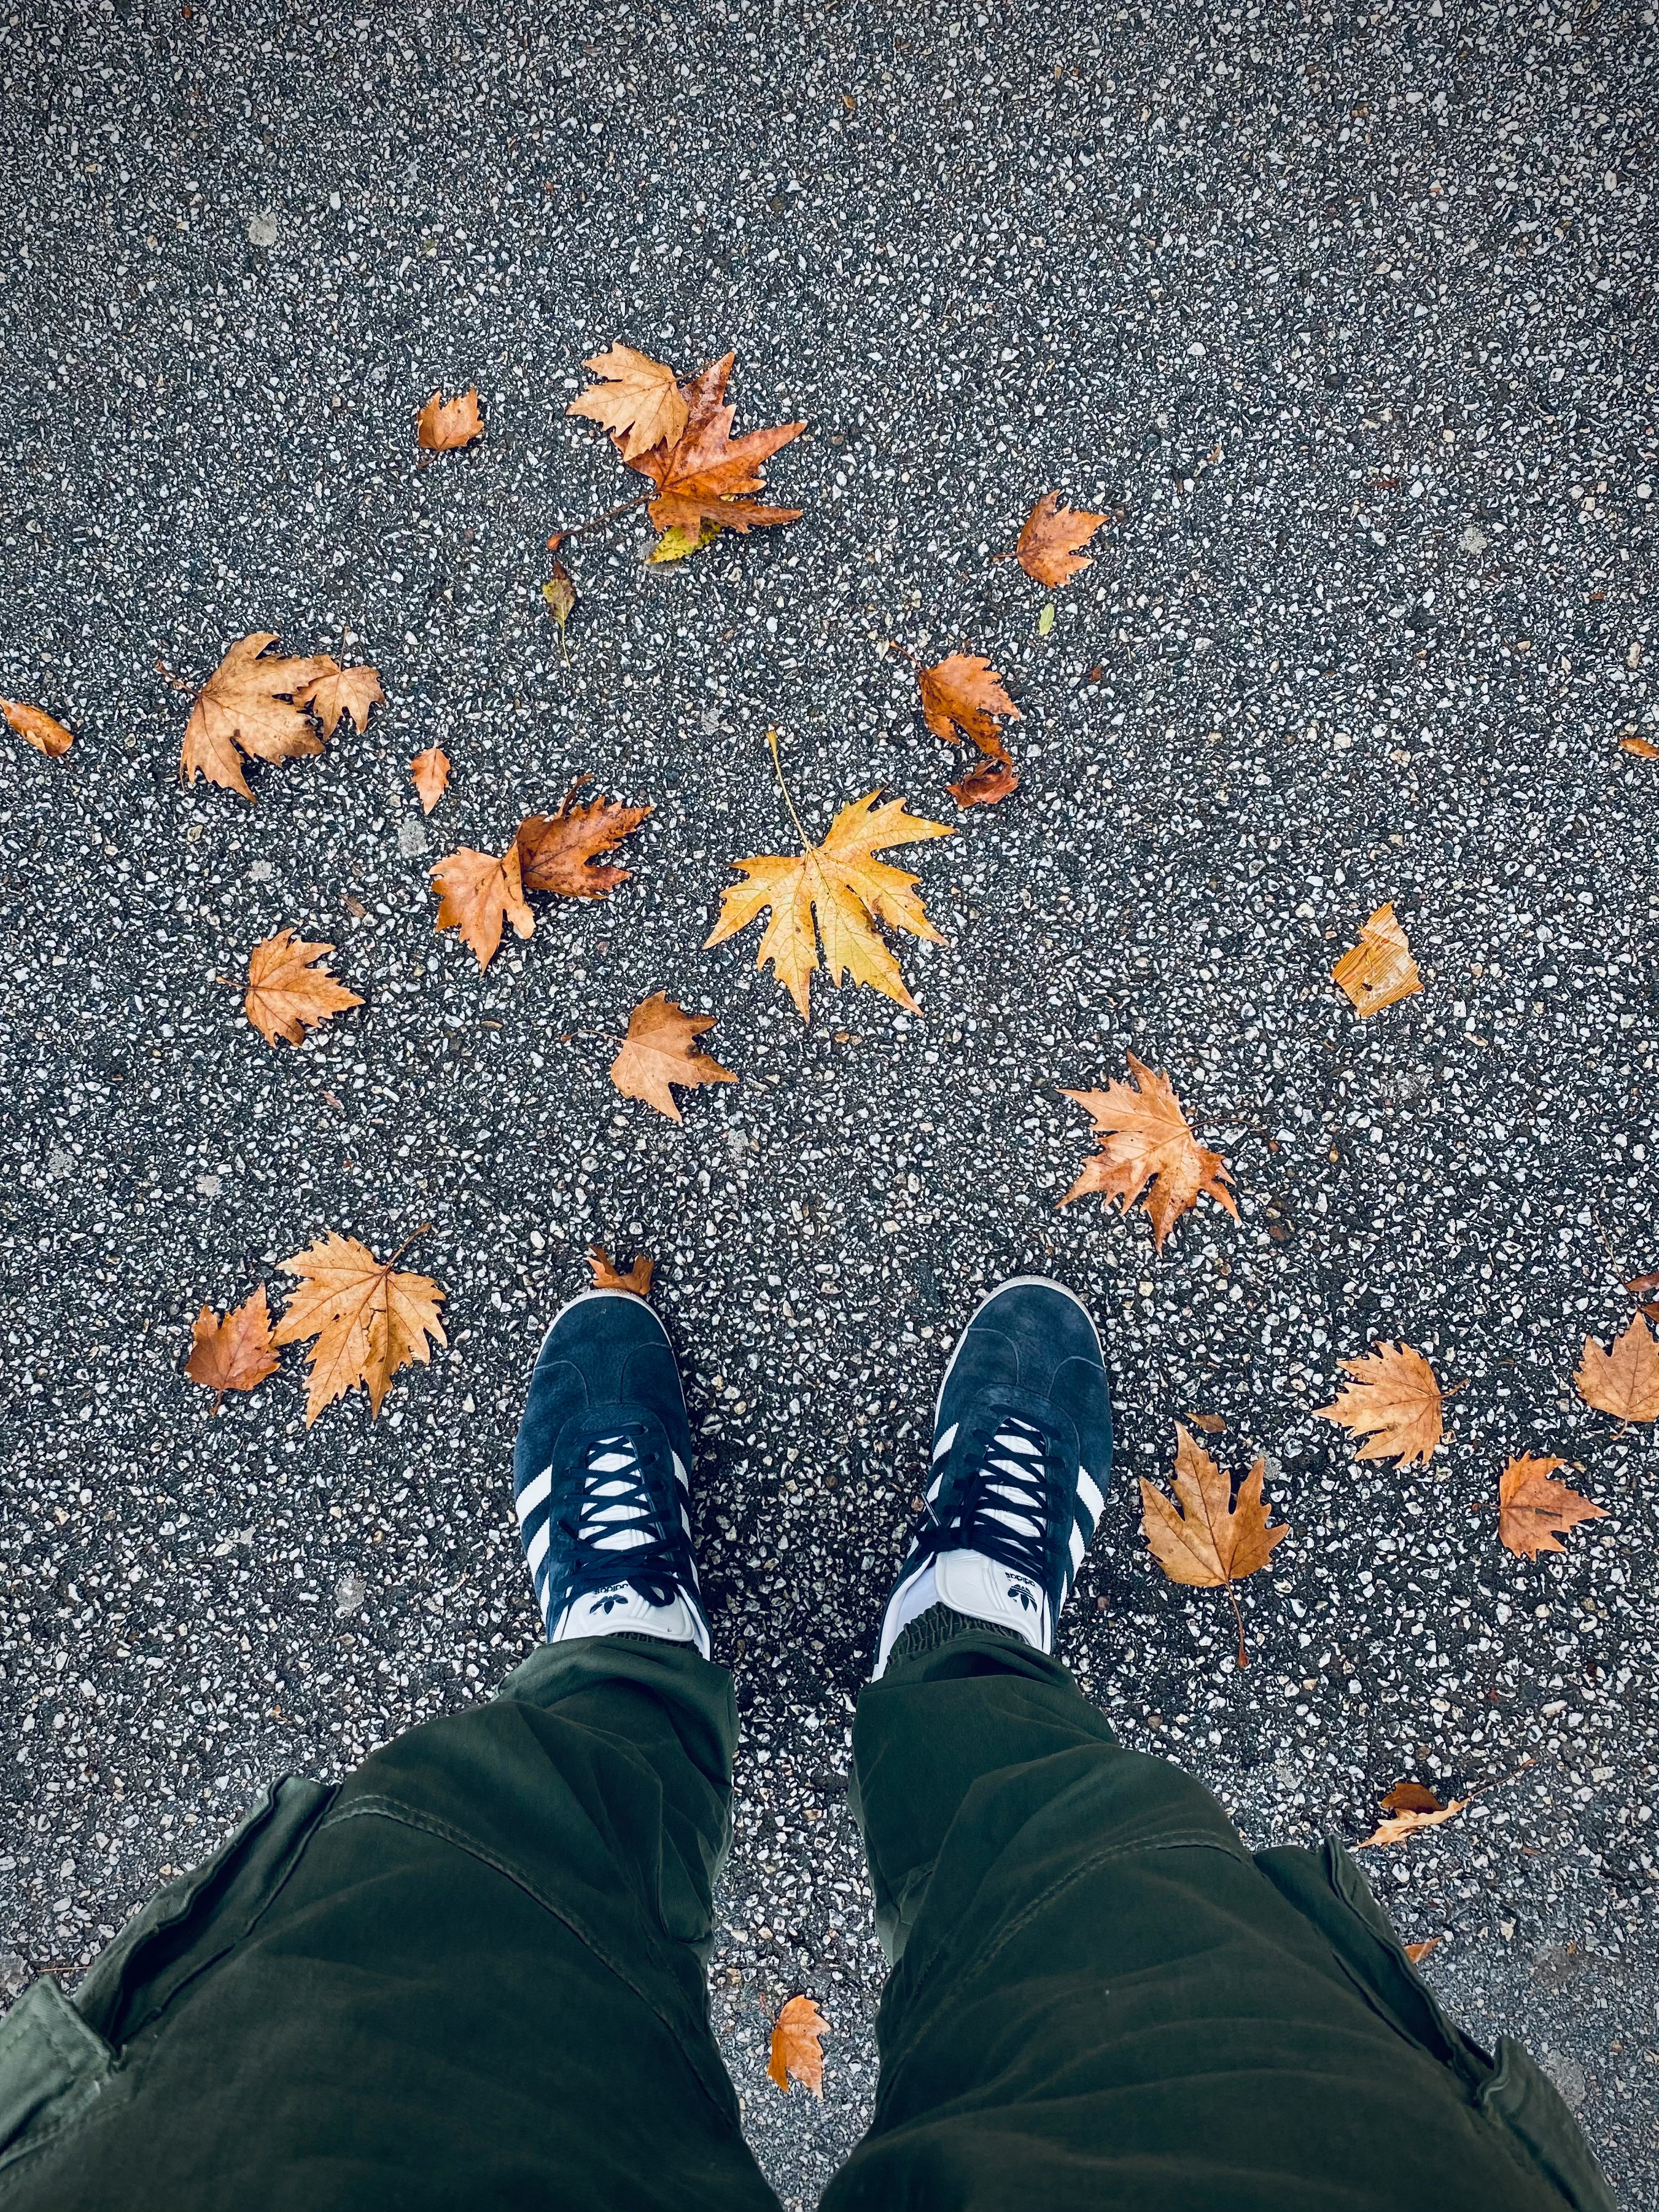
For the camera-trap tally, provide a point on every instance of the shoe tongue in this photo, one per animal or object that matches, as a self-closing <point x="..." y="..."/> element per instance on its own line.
<point x="606" y="1612"/>
<point x="971" y="1582"/>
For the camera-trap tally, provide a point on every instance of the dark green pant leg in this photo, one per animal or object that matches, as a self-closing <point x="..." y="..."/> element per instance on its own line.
<point x="1101" y="2001"/>
<point x="471" y="1977"/>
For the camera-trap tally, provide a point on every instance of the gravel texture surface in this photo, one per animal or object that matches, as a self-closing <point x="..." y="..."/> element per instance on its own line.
<point x="1351" y="316"/>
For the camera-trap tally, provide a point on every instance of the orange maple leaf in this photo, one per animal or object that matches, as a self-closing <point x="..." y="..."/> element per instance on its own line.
<point x="556" y="851"/>
<point x="339" y="691"/>
<point x="1150" y="1147"/>
<point x="443" y="424"/>
<point x="477" y="893"/>
<point x="1050" y="542"/>
<point x="796" y="2051"/>
<point x="608" y="1275"/>
<point x="38" y="728"/>
<point x="235" y="1353"/>
<point x="1625" y="1381"/>
<point x="706" y="475"/>
<point x="368" y="1319"/>
<point x="985" y="785"/>
<point x="288" y="991"/>
<point x="661" y="1049"/>
<point x="1211" y="1543"/>
<point x="248" y="707"/>
<point x="1393" y="1400"/>
<point x="962" y="697"/>
<point x="640" y="403"/>
<point x="1533" y="1511"/>
<point x="1379" y="971"/>
<point x="430" y="772"/>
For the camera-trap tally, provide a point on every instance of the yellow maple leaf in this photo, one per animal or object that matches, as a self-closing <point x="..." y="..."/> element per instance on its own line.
<point x="368" y="1319"/>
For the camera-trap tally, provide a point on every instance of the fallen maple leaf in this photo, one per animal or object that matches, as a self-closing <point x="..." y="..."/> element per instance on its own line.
<point x="443" y="424"/>
<point x="1411" y="1797"/>
<point x="248" y="705"/>
<point x="1399" y="1826"/>
<point x="1051" y="543"/>
<point x="235" y="1353"/>
<point x="556" y="851"/>
<point x="991" y="780"/>
<point x="1395" y="1401"/>
<point x="1625" y="1381"/>
<point x="38" y="728"/>
<point x="1211" y="1543"/>
<point x="796" y="2051"/>
<point x="477" y="893"/>
<point x="368" y="1319"/>
<point x="1417" y="1951"/>
<point x="962" y="697"/>
<point x="1533" y="1511"/>
<point x="845" y="889"/>
<point x="1379" y="971"/>
<point x="431" y="772"/>
<point x="339" y="691"/>
<point x="608" y="1276"/>
<point x="641" y="403"/>
<point x="659" y="1050"/>
<point x="288" y="992"/>
<point x="706" y="475"/>
<point x="1149" y="1148"/>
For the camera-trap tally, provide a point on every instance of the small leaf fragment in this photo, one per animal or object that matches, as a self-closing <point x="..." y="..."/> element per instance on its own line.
<point x="1046" y="619"/>
<point x="795" y="2046"/>
<point x="1624" y="1382"/>
<point x="430" y="772"/>
<point x="1393" y="1400"/>
<point x="477" y="894"/>
<point x="659" y="1050"/>
<point x="1212" y="1423"/>
<point x="1379" y="971"/>
<point x="1399" y="1826"/>
<point x="1149" y="1148"/>
<point x="1642" y="747"/>
<point x="38" y="728"/>
<point x="1533" y="1511"/>
<point x="1417" y="1951"/>
<point x="235" y="1353"/>
<point x="289" y="991"/>
<point x="444" y="424"/>
<point x="609" y="1276"/>
<point x="992" y="782"/>
<point x="560" y="592"/>
<point x="1411" y="1797"/>
<point x="678" y="543"/>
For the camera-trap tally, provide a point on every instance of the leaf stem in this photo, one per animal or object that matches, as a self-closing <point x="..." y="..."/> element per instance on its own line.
<point x="893" y="645"/>
<point x="598" y="521"/>
<point x="425" y="1229"/>
<point x="1232" y="1599"/>
<point x="805" y="842"/>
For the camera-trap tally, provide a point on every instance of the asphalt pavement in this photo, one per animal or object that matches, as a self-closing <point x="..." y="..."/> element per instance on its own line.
<point x="1349" y="313"/>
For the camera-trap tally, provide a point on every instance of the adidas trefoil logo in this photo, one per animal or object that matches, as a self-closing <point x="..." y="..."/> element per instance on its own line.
<point x="608" y="1600"/>
<point x="1019" y="1590"/>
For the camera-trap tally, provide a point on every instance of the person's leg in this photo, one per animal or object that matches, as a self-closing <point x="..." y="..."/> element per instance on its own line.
<point x="1099" y="1997"/>
<point x="472" y="1976"/>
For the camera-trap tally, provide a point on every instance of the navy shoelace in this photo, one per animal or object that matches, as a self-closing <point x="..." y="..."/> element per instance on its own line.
<point x="1000" y="1506"/>
<point x="616" y="1535"/>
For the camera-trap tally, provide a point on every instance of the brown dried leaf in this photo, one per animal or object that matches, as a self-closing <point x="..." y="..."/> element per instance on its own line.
<point x="1412" y="1797"/>
<point x="1379" y="971"/>
<point x="1149" y="1148"/>
<point x="984" y="786"/>
<point x="477" y="893"/>
<point x="339" y="691"/>
<point x="1211" y="1543"/>
<point x="431" y="772"/>
<point x="443" y="424"/>
<point x="641" y="403"/>
<point x="560" y="592"/>
<point x="1533" y="1511"/>
<point x="962" y="696"/>
<point x="556" y="851"/>
<point x="1417" y="1951"/>
<point x="248" y="705"/>
<point x="608" y="1276"/>
<point x="235" y="1353"/>
<point x="38" y="728"/>
<point x="1395" y="1401"/>
<point x="659" y="1050"/>
<point x="1051" y="542"/>
<point x="1642" y="747"/>
<point x="368" y="1319"/>
<point x="1399" y="1826"/>
<point x="1625" y="1381"/>
<point x="1212" y="1423"/>
<point x="707" y="474"/>
<point x="796" y="2051"/>
<point x="288" y="992"/>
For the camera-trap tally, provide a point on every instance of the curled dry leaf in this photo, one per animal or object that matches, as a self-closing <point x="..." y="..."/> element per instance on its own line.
<point x="1624" y="1382"/>
<point x="1642" y="748"/>
<point x="430" y="772"/>
<point x="289" y="991"/>
<point x="962" y="696"/>
<point x="1533" y="1511"/>
<point x="796" y="2055"/>
<point x="368" y="1319"/>
<point x="38" y="728"/>
<point x="1212" y="1423"/>
<point x="608" y="1276"/>
<point x="477" y="893"/>
<point x="560" y="594"/>
<point x="1641" y="1288"/>
<point x="1149" y="1148"/>
<point x="1051" y="542"/>
<point x="350" y="691"/>
<point x="235" y="1353"/>
<point x="1393" y="1400"/>
<point x="442" y="424"/>
<point x="1399" y="1826"/>
<point x="556" y="851"/>
<point x="1411" y="1797"/>
<point x="841" y="886"/>
<point x="991" y="781"/>
<point x="1417" y="1951"/>
<point x="1379" y="971"/>
<point x="248" y="706"/>
<point x="707" y="475"/>
<point x="659" y="1050"/>
<point x="640" y="403"/>
<point x="1211" y="1543"/>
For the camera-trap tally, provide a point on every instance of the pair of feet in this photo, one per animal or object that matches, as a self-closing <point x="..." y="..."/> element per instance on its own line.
<point x="1022" y="1449"/>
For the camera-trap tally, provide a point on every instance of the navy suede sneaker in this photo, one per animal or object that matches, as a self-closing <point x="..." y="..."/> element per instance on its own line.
<point x="1021" y="1452"/>
<point x="601" y="1477"/>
